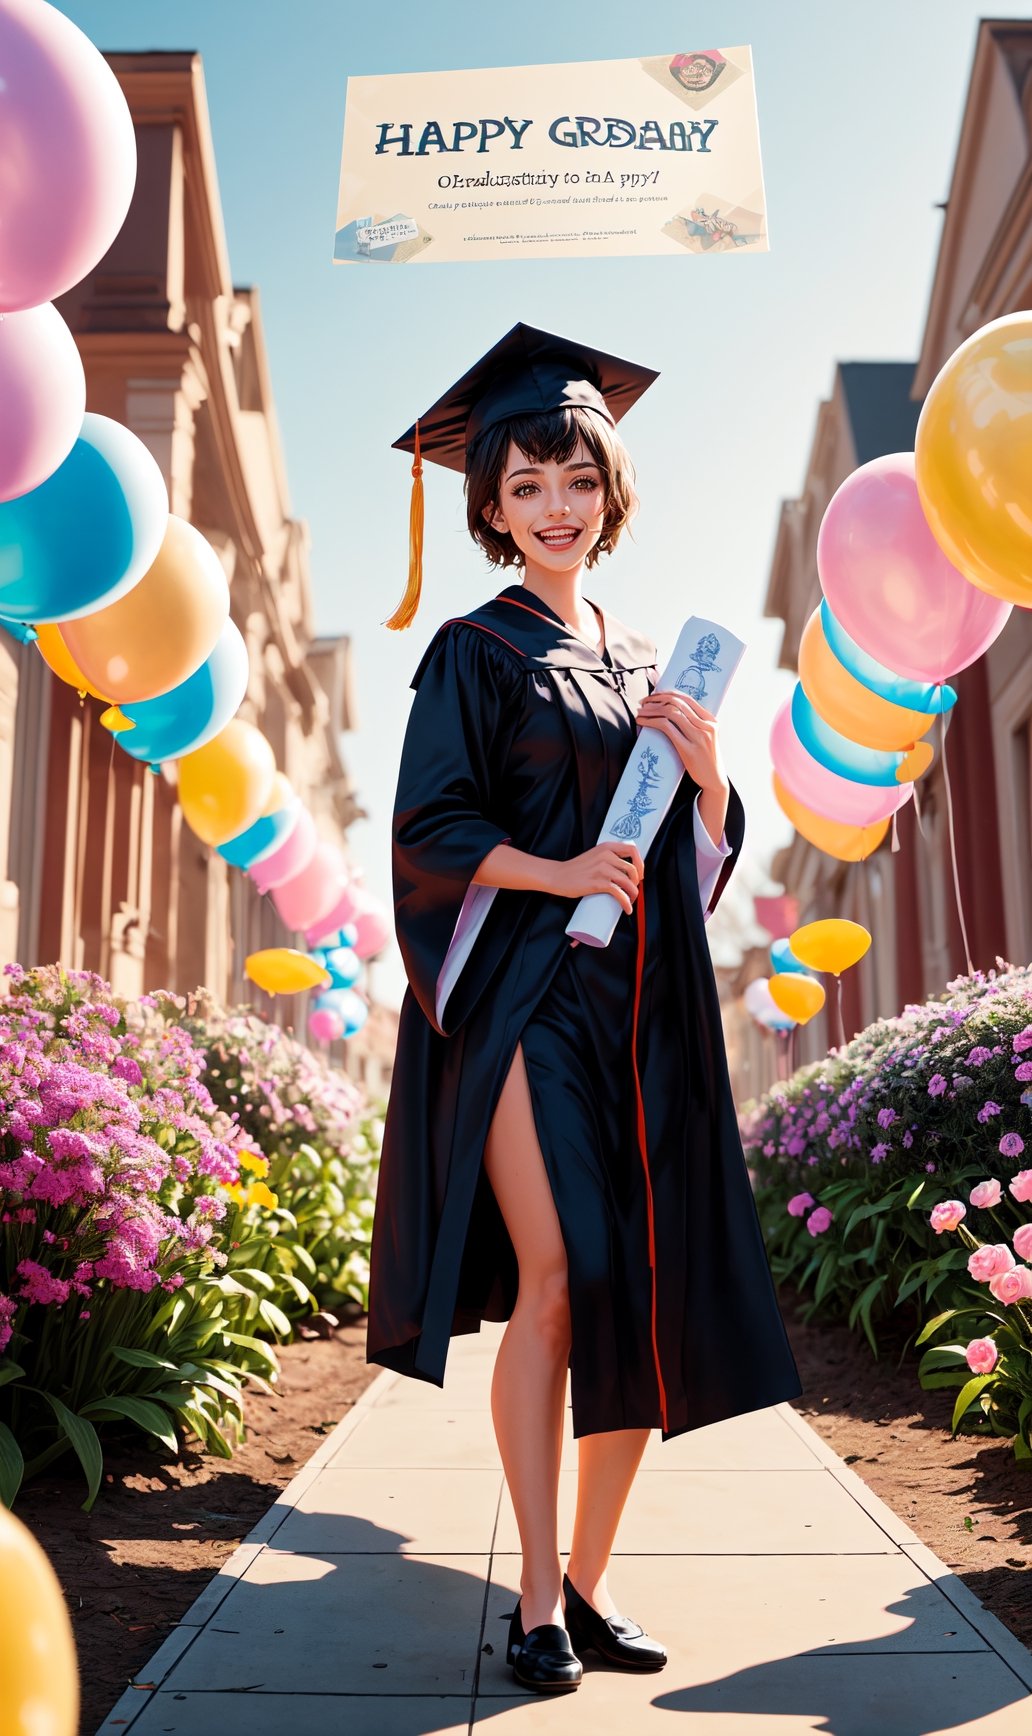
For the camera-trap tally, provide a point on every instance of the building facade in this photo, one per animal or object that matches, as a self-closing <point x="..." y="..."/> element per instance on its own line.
<point x="101" y="871"/>
<point x="906" y="896"/>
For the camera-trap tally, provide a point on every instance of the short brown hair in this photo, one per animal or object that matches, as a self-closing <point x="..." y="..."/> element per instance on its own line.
<point x="548" y="434"/>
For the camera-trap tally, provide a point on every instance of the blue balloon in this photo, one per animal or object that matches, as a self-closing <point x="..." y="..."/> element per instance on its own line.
<point x="784" y="959"/>
<point x="18" y="630"/>
<point x="348" y="934"/>
<point x="261" y="839"/>
<point x="351" y="1007"/>
<point x="86" y="535"/>
<point x="344" y="966"/>
<point x="193" y="713"/>
<point x="915" y="695"/>
<point x="864" y="765"/>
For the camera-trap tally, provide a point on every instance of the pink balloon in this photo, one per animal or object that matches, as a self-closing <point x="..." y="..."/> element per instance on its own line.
<point x="827" y="793"/>
<point x="335" y="918"/>
<point x="67" y="150"/>
<point x="294" y="854"/>
<point x="43" y="393"/>
<point x="374" y="928"/>
<point x="888" y="582"/>
<point x="324" y="1025"/>
<point x="306" y="896"/>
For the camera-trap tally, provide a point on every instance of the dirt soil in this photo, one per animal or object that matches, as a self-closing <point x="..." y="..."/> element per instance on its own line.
<point x="160" y="1530"/>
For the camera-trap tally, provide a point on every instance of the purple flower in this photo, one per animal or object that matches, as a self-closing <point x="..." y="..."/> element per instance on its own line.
<point x="886" y="1117"/>
<point x="988" y="1110"/>
<point x="879" y="1151"/>
<point x="1012" y="1145"/>
<point x="936" y="1085"/>
<point x="908" y="1139"/>
<point x="1023" y="1072"/>
<point x="978" y="1057"/>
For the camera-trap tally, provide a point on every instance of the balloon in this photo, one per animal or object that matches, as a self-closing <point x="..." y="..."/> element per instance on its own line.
<point x="835" y="797"/>
<point x="862" y="765"/>
<point x="339" y="913"/>
<point x="68" y="147"/>
<point x="325" y="1025"/>
<point x="831" y="945"/>
<point x="921" y="695"/>
<point x="847" y="843"/>
<point x="353" y="1010"/>
<point x="846" y="704"/>
<point x="344" y="966"/>
<point x="373" y="925"/>
<point x="43" y="393"/>
<point x="889" y="584"/>
<point x="282" y="970"/>
<point x="55" y="653"/>
<point x="224" y="785"/>
<point x="263" y="838"/>
<point x="348" y="934"/>
<point x="192" y="714"/>
<point x="294" y="853"/>
<point x="159" y="634"/>
<point x="784" y="959"/>
<point x="87" y="534"/>
<point x="798" y="996"/>
<point x="37" y="1649"/>
<point x="759" y="1002"/>
<point x="310" y="893"/>
<point x="280" y="796"/>
<point x="974" y="458"/>
<point x="18" y="630"/>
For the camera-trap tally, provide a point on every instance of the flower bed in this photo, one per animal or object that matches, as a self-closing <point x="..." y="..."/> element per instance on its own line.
<point x="862" y="1164"/>
<point x="149" y="1241"/>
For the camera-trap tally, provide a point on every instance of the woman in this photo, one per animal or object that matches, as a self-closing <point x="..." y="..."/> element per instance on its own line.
<point x="561" y="1149"/>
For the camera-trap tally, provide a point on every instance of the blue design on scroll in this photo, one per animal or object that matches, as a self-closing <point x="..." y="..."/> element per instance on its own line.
<point x="693" y="679"/>
<point x="629" y="823"/>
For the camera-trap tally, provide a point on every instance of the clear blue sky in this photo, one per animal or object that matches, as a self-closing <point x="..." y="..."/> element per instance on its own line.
<point x="859" y="111"/>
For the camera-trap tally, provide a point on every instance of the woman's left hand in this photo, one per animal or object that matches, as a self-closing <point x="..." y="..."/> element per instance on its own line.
<point x="693" y="731"/>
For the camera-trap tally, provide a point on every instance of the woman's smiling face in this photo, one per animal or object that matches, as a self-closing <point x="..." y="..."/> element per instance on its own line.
<point x="553" y="511"/>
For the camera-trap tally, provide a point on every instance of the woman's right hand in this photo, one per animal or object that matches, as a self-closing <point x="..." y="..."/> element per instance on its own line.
<point x="616" y="868"/>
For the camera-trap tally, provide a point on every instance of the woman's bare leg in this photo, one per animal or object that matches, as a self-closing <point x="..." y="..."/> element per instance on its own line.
<point x="606" y="1466"/>
<point x="528" y="1390"/>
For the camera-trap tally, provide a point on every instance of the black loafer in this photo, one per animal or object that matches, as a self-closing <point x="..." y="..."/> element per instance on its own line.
<point x="544" y="1659"/>
<point x="620" y="1642"/>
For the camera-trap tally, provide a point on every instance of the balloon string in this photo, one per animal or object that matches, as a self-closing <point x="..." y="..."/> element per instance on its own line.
<point x="917" y="813"/>
<point x="953" y="839"/>
<point x="841" y="1020"/>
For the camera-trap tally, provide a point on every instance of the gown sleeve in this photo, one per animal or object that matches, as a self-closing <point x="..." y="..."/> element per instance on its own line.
<point x="709" y="858"/>
<point x="446" y="809"/>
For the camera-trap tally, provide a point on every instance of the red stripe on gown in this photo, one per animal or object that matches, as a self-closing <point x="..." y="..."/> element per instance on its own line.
<point x="642" y="1143"/>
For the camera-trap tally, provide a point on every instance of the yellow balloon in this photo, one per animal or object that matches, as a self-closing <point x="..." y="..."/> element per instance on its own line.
<point x="161" y="631"/>
<point x="847" y="843"/>
<point x="973" y="458"/>
<point x="38" y="1672"/>
<point x="224" y="785"/>
<point x="280" y="797"/>
<point x="797" y="995"/>
<point x="54" y="652"/>
<point x="916" y="763"/>
<point x="830" y="945"/>
<point x="282" y="970"/>
<point x="847" y="704"/>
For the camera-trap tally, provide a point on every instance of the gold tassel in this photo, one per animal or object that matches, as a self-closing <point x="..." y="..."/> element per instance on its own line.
<point x="405" y="613"/>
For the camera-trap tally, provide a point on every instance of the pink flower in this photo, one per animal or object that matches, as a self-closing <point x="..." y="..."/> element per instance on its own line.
<point x="988" y="1110"/>
<point x="1012" y="1145"/>
<point x="1023" y="1072"/>
<point x="1020" y="1185"/>
<point x="1023" y="1242"/>
<point x="798" y="1204"/>
<point x="818" y="1220"/>
<point x="936" y="1085"/>
<point x="39" y="1285"/>
<point x="981" y="1355"/>
<point x="1022" y="1041"/>
<point x="947" y="1215"/>
<point x="978" y="1057"/>
<point x="986" y="1194"/>
<point x="989" y="1260"/>
<point x="1012" y="1286"/>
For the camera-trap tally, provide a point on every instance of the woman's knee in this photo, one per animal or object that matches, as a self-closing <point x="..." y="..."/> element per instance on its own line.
<point x="545" y="1295"/>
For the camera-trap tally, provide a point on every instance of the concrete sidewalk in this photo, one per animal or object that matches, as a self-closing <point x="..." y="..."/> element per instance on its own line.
<point x="373" y="1599"/>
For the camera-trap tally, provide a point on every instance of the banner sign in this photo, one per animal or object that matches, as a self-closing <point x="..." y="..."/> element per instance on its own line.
<point x="553" y="162"/>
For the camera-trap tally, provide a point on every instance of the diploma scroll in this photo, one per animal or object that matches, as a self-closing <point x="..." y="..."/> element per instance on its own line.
<point x="703" y="662"/>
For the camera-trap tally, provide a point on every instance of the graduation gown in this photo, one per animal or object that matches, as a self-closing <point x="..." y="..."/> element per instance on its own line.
<point x="518" y="733"/>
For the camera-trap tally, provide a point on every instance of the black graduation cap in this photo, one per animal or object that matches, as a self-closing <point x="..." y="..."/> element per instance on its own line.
<point x="526" y="372"/>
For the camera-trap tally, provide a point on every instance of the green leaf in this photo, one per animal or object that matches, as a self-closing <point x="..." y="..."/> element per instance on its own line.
<point x="146" y="1415"/>
<point x="263" y="1279"/>
<point x="275" y="1318"/>
<point x="140" y="1358"/>
<point x="10" y="1371"/>
<point x="12" y="1466"/>
<point x="85" y="1444"/>
<point x="967" y="1396"/>
<point x="301" y="1291"/>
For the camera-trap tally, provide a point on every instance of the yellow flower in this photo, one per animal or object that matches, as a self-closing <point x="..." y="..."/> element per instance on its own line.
<point x="253" y="1160"/>
<point x="235" y="1191"/>
<point x="260" y="1195"/>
